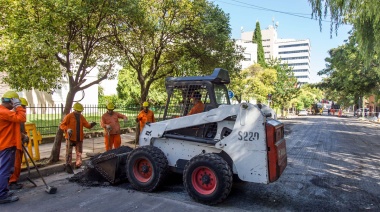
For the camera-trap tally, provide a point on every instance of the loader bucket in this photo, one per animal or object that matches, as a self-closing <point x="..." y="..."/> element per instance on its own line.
<point x="111" y="166"/>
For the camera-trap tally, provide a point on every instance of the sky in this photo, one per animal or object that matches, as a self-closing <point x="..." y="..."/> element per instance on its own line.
<point x="245" y="13"/>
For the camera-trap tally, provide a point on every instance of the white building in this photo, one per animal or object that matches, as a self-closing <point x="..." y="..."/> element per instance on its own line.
<point x="296" y="53"/>
<point x="250" y="53"/>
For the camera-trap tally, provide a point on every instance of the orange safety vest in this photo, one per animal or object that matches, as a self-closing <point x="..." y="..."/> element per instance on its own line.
<point x="69" y="122"/>
<point x="10" y="133"/>
<point x="145" y="117"/>
<point x="113" y="121"/>
<point x="199" y="107"/>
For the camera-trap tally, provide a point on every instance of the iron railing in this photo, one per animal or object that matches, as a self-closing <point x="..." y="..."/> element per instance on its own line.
<point x="48" y="117"/>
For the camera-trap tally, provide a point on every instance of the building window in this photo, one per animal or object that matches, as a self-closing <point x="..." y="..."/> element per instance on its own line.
<point x="297" y="64"/>
<point x="300" y="70"/>
<point x="292" y="52"/>
<point x="294" y="58"/>
<point x="293" y="45"/>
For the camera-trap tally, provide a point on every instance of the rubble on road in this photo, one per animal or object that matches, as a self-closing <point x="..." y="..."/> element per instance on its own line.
<point x="104" y="169"/>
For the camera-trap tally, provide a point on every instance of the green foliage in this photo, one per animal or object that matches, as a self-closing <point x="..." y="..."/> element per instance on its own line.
<point x="286" y="87"/>
<point x="257" y="38"/>
<point x="254" y="82"/>
<point x="309" y="95"/>
<point x="348" y="77"/>
<point x="363" y="15"/>
<point x="175" y="38"/>
<point x="46" y="43"/>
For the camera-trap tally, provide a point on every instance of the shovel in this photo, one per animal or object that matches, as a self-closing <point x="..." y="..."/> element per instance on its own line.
<point x="27" y="165"/>
<point x="48" y="189"/>
<point x="109" y="141"/>
<point x="68" y="167"/>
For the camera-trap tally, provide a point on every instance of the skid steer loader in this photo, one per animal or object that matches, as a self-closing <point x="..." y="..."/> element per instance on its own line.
<point x="209" y="148"/>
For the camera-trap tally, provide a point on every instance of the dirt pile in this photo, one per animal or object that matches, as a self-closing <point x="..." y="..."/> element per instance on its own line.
<point x="91" y="176"/>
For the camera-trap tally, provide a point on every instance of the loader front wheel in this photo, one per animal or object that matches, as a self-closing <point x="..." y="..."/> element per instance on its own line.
<point x="208" y="178"/>
<point x="146" y="168"/>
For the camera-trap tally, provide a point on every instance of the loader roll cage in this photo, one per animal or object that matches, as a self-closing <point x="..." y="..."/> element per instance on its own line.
<point x="212" y="89"/>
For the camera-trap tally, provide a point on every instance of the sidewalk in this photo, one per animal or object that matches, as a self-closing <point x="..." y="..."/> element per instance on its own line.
<point x="90" y="146"/>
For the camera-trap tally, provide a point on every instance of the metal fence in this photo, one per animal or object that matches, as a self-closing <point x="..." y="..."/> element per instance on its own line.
<point x="48" y="117"/>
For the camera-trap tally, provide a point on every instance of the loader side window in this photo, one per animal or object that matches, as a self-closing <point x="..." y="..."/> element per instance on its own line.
<point x="221" y="94"/>
<point x="180" y="99"/>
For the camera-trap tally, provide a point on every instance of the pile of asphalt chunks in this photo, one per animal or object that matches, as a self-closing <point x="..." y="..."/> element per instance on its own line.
<point x="89" y="176"/>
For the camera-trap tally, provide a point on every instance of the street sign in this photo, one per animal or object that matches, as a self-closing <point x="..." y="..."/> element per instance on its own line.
<point x="230" y="94"/>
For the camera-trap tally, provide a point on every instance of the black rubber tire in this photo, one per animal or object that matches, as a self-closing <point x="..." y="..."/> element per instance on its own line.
<point x="157" y="166"/>
<point x="221" y="172"/>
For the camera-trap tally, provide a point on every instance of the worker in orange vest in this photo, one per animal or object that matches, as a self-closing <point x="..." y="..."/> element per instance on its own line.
<point x="198" y="104"/>
<point x="333" y="111"/>
<point x="11" y="115"/>
<point x="13" y="184"/>
<point x="110" y="123"/>
<point x="72" y="125"/>
<point x="145" y="116"/>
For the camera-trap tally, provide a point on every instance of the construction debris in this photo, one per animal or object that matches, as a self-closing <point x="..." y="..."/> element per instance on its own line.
<point x="104" y="169"/>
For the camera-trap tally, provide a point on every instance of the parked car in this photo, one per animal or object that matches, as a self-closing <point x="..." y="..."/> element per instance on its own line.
<point x="359" y="112"/>
<point x="302" y="113"/>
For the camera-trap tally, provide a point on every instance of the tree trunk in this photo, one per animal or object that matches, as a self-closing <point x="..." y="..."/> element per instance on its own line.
<point x="56" y="150"/>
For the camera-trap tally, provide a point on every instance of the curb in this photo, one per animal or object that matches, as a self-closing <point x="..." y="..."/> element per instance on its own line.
<point x="54" y="168"/>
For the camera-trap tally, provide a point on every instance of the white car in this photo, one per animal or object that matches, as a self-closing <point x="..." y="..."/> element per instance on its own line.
<point x="302" y="113"/>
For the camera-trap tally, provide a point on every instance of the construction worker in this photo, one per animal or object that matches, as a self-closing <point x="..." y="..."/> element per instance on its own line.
<point x="13" y="184"/>
<point x="72" y="125"/>
<point x="110" y="123"/>
<point x="11" y="115"/>
<point x="145" y="116"/>
<point x="198" y="105"/>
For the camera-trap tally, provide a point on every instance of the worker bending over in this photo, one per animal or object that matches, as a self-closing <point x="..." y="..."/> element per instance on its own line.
<point x="110" y="123"/>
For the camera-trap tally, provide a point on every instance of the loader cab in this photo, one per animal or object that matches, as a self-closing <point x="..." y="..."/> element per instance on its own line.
<point x="211" y="89"/>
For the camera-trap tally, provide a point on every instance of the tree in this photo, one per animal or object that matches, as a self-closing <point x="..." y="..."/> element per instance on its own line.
<point x="46" y="43"/>
<point x="363" y="15"/>
<point x="254" y="82"/>
<point x="172" y="38"/>
<point x="347" y="76"/>
<point x="257" y="38"/>
<point x="286" y="88"/>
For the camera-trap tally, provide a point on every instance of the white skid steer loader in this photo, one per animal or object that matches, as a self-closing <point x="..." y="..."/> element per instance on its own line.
<point x="208" y="148"/>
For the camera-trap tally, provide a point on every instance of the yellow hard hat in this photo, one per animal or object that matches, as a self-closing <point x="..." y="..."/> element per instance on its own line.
<point x="78" y="107"/>
<point x="23" y="101"/>
<point x="110" y="106"/>
<point x="145" y="104"/>
<point x="10" y="95"/>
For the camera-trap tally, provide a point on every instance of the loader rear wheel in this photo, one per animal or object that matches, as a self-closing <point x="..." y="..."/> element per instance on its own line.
<point x="146" y="168"/>
<point x="208" y="178"/>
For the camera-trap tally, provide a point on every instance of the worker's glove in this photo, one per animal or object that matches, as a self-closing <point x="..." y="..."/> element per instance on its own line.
<point x="15" y="102"/>
<point x="137" y="119"/>
<point x="70" y="132"/>
<point x="108" y="127"/>
<point x="125" y="120"/>
<point x="92" y="124"/>
<point x="25" y="140"/>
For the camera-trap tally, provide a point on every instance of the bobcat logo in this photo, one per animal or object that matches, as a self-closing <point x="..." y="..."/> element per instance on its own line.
<point x="148" y="133"/>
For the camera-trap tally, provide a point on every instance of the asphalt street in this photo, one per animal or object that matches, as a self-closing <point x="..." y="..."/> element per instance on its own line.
<point x="333" y="165"/>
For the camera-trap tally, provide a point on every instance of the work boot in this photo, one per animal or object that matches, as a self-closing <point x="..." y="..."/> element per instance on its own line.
<point x="9" y="199"/>
<point x="15" y="186"/>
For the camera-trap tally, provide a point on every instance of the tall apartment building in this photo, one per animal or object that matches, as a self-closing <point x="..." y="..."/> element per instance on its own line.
<point x="250" y="53"/>
<point x="295" y="53"/>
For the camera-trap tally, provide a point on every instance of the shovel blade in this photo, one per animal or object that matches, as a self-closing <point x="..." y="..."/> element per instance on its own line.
<point x="51" y="190"/>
